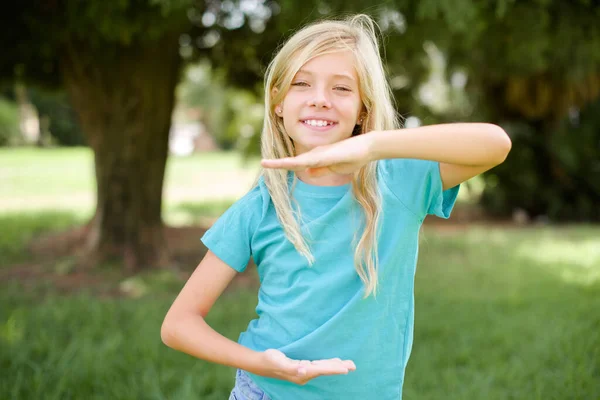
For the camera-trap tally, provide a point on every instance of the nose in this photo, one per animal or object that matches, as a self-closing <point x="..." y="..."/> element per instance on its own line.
<point x="320" y="98"/>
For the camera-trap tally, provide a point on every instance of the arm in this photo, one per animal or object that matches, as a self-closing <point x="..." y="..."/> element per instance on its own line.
<point x="185" y="329"/>
<point x="464" y="150"/>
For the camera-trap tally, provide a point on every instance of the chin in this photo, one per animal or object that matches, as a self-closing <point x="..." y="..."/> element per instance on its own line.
<point x="309" y="142"/>
<point x="309" y="145"/>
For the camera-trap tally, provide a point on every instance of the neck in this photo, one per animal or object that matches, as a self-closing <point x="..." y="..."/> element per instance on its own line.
<point x="331" y="179"/>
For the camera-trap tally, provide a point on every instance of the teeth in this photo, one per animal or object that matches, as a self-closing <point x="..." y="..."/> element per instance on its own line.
<point x="314" y="122"/>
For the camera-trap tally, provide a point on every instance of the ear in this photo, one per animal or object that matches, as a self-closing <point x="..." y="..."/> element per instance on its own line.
<point x="278" y="107"/>
<point x="362" y="114"/>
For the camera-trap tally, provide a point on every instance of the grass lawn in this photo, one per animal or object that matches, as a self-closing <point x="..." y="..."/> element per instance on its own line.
<point x="63" y="179"/>
<point x="501" y="313"/>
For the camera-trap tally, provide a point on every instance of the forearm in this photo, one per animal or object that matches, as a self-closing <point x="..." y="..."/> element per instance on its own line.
<point x="191" y="334"/>
<point x="473" y="144"/>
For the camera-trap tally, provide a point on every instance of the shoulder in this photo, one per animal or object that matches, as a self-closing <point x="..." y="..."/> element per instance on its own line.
<point x="418" y="185"/>
<point x="253" y="205"/>
<point x="405" y="170"/>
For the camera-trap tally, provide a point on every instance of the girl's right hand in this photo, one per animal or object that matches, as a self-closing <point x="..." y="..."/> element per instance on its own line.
<point x="277" y="365"/>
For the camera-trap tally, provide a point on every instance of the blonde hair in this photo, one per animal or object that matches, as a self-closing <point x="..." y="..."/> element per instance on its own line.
<point x="357" y="34"/>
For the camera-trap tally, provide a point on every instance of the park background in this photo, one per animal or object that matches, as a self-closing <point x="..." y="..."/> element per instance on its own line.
<point x="127" y="127"/>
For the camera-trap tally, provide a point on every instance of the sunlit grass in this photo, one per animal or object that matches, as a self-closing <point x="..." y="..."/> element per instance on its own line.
<point x="36" y="180"/>
<point x="494" y="323"/>
<point x="573" y="261"/>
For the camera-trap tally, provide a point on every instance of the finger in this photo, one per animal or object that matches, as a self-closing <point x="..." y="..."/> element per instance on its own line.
<point x="280" y="163"/>
<point x="326" y="369"/>
<point x="301" y="161"/>
<point x="349" y="364"/>
<point x="305" y="160"/>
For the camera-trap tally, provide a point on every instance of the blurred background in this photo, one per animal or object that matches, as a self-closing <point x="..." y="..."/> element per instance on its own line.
<point x="127" y="127"/>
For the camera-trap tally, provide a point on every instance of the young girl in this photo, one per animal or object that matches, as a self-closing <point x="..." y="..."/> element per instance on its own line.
<point x="332" y="224"/>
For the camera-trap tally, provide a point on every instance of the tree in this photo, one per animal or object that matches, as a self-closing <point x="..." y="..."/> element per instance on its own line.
<point x="535" y="66"/>
<point x="528" y="63"/>
<point x="531" y="66"/>
<point x="119" y="61"/>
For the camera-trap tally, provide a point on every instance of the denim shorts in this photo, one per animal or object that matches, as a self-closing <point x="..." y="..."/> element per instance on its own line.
<point x="246" y="389"/>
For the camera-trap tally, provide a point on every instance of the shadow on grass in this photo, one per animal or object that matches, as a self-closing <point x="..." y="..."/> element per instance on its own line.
<point x="17" y="230"/>
<point x="38" y="251"/>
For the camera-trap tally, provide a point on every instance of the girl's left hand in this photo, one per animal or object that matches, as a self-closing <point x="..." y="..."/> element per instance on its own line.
<point x="343" y="157"/>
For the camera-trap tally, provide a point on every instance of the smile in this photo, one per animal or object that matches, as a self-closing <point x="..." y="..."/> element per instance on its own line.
<point x="318" y="124"/>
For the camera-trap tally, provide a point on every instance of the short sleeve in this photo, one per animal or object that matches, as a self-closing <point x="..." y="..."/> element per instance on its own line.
<point x="230" y="236"/>
<point x="418" y="185"/>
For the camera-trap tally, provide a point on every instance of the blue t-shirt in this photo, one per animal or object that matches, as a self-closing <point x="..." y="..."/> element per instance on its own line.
<point x="318" y="312"/>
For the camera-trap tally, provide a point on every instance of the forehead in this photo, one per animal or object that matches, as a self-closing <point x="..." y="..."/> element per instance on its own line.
<point x="339" y="64"/>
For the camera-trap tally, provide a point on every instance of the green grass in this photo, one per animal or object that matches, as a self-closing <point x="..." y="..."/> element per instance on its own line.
<point x="80" y="347"/>
<point x="494" y="320"/>
<point x="17" y="229"/>
<point x="30" y="172"/>
<point x="500" y="313"/>
<point x="35" y="180"/>
<point x="498" y="319"/>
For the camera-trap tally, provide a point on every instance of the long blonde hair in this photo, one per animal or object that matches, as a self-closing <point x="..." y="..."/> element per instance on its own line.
<point x="357" y="34"/>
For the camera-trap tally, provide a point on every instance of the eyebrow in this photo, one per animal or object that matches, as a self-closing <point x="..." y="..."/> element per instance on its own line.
<point x="343" y="75"/>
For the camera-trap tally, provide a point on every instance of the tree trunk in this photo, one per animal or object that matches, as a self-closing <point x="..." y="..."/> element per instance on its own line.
<point x="124" y="97"/>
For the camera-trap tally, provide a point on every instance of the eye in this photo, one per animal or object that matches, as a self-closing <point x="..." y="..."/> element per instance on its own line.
<point x="342" y="88"/>
<point x="300" y="83"/>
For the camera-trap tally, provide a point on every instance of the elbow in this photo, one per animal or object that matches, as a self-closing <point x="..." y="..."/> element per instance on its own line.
<point x="502" y="144"/>
<point x="168" y="333"/>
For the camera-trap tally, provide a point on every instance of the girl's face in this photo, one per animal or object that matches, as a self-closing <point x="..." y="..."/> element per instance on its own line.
<point x="323" y="103"/>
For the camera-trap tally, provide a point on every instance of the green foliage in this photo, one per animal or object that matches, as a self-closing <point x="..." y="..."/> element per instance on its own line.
<point x="10" y="133"/>
<point x="46" y="32"/>
<point x="63" y="125"/>
<point x="528" y="63"/>
<point x="232" y="116"/>
<point x="552" y="172"/>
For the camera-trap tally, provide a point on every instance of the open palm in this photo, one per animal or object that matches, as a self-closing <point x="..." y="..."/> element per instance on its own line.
<point x="302" y="371"/>
<point x="343" y="157"/>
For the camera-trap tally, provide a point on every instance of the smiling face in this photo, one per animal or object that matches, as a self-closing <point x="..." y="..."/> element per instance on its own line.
<point x="322" y="105"/>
